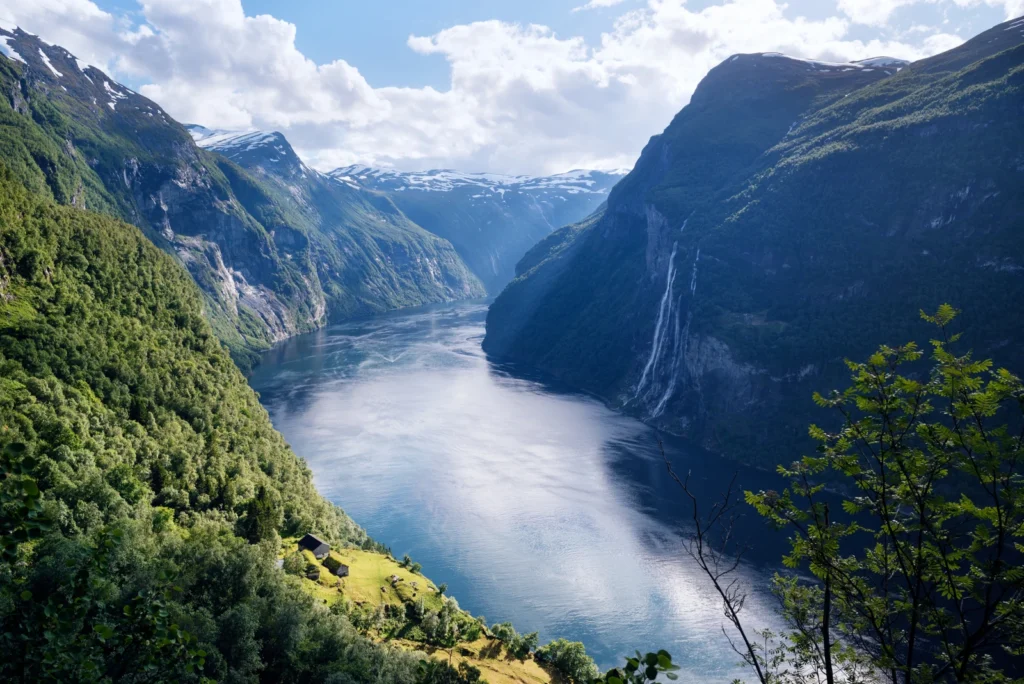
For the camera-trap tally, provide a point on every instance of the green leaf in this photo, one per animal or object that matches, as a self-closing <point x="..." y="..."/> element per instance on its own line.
<point x="104" y="631"/>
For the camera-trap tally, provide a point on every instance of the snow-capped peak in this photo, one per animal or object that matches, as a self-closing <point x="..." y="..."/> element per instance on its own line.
<point x="267" y="149"/>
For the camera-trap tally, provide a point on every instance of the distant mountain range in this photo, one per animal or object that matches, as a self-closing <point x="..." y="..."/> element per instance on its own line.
<point x="491" y="219"/>
<point x="794" y="213"/>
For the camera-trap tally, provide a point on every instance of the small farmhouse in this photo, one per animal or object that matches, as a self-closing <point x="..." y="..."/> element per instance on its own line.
<point x="318" y="547"/>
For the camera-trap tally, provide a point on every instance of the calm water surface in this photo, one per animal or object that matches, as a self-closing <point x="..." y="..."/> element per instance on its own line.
<point x="534" y="503"/>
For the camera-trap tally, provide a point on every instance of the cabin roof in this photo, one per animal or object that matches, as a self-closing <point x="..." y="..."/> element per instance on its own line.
<point x="311" y="541"/>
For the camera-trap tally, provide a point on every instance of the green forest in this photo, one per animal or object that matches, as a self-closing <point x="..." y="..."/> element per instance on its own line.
<point x="154" y="461"/>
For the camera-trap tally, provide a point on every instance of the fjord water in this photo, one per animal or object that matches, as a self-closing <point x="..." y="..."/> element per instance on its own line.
<point x="533" y="503"/>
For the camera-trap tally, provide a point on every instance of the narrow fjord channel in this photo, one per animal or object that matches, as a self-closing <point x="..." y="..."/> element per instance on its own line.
<point x="533" y="503"/>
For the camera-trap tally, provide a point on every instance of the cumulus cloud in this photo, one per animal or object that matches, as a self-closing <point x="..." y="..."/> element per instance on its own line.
<point x="521" y="98"/>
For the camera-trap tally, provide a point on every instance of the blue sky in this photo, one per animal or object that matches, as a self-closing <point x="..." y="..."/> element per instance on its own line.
<point x="480" y="85"/>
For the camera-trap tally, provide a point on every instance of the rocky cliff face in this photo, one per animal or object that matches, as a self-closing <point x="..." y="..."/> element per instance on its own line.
<point x="275" y="247"/>
<point x="491" y="219"/>
<point x="793" y="214"/>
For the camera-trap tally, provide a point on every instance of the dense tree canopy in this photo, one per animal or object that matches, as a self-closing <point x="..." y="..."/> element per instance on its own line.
<point x="138" y="466"/>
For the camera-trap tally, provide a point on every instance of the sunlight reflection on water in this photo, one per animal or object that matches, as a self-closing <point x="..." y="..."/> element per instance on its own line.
<point x="535" y="504"/>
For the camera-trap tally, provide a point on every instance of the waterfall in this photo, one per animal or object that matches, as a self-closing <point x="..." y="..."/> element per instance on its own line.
<point x="687" y="220"/>
<point x="693" y="276"/>
<point x="677" y="358"/>
<point x="670" y="337"/>
<point x="665" y="307"/>
<point x="668" y="333"/>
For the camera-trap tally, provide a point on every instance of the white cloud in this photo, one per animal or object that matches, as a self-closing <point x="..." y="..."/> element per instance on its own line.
<point x="880" y="12"/>
<point x="521" y="98"/>
<point x="597" y="4"/>
<point x="872" y="12"/>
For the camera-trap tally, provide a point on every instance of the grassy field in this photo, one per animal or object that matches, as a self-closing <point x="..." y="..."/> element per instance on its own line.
<point x="488" y="654"/>
<point x="370" y="582"/>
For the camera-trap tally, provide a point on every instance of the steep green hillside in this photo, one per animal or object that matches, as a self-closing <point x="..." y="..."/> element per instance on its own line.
<point x="154" y="459"/>
<point x="69" y="130"/>
<point x="793" y="214"/>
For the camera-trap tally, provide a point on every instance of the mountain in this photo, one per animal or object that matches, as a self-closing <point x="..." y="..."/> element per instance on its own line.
<point x="370" y="257"/>
<point x="793" y="214"/>
<point x="491" y="219"/>
<point x="269" y="263"/>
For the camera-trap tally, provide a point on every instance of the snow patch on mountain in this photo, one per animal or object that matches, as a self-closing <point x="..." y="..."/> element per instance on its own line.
<point x="821" y="65"/>
<point x="82" y="66"/>
<point x="115" y="95"/>
<point x="484" y="184"/>
<point x="234" y="140"/>
<point x="9" y="51"/>
<point x="49" y="64"/>
<point x="883" y="62"/>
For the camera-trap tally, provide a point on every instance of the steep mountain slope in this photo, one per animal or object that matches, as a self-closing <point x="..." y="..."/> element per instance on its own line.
<point x="368" y="255"/>
<point x="69" y="130"/>
<point x="793" y="214"/>
<point x="491" y="219"/>
<point x="153" y="458"/>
